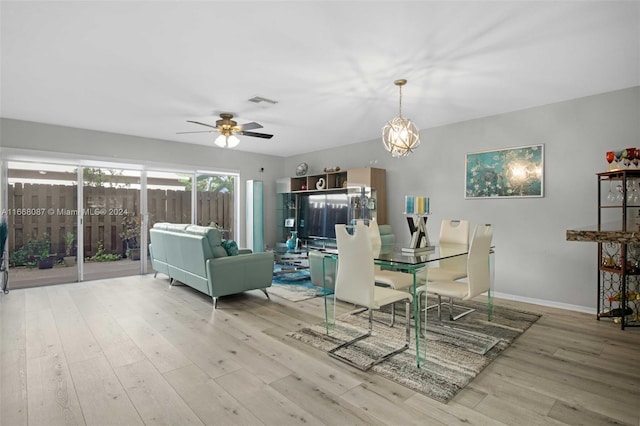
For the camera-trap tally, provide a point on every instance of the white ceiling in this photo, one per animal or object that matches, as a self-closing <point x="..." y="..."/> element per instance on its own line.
<point x="144" y="68"/>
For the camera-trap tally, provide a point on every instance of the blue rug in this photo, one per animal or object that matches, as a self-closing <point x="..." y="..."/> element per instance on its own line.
<point x="294" y="285"/>
<point x="284" y="277"/>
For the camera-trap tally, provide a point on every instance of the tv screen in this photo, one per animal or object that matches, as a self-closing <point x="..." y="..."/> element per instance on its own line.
<point x="319" y="213"/>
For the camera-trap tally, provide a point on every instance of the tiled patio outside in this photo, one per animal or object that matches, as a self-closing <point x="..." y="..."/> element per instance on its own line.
<point x="22" y="277"/>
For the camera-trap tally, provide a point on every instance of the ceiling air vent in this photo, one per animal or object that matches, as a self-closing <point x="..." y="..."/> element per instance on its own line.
<point x="260" y="99"/>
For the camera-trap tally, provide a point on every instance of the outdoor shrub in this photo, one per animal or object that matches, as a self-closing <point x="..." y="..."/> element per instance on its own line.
<point x="19" y="257"/>
<point x="103" y="256"/>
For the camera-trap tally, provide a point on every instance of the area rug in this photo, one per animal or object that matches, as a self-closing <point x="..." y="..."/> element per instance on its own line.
<point x="456" y="351"/>
<point x="294" y="285"/>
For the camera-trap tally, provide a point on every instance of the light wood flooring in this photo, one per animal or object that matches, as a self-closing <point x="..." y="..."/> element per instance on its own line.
<point x="132" y="351"/>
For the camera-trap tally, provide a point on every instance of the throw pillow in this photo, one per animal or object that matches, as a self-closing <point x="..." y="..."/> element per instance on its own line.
<point x="231" y="247"/>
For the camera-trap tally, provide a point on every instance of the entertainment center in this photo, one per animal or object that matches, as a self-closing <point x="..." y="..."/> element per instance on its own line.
<point x="313" y="204"/>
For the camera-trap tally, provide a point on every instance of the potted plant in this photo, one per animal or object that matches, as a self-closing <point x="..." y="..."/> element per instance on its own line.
<point x="45" y="260"/>
<point x="69" y="259"/>
<point x="131" y="236"/>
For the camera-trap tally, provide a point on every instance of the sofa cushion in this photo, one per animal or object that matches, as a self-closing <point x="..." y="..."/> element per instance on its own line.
<point x="385" y="229"/>
<point x="387" y="239"/>
<point x="212" y="235"/>
<point x="231" y="247"/>
<point x="174" y="227"/>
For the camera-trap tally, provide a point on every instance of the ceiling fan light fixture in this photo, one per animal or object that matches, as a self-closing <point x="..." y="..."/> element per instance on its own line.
<point x="227" y="141"/>
<point x="228" y="129"/>
<point x="400" y="135"/>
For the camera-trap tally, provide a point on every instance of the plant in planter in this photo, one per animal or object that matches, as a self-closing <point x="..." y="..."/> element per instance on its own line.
<point x="40" y="250"/>
<point x="131" y="236"/>
<point x="69" y="259"/>
<point x="45" y="261"/>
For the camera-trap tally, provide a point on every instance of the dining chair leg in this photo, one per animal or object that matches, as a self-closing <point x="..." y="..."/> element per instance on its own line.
<point x="451" y="305"/>
<point x="417" y="300"/>
<point x="490" y="305"/>
<point x="393" y="317"/>
<point x="393" y="312"/>
<point x="408" y="323"/>
<point x="332" y="353"/>
<point x="423" y="330"/>
<point x="426" y="310"/>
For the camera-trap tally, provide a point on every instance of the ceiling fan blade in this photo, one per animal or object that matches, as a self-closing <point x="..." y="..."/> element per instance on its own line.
<point x="251" y="126"/>
<point x="256" y="135"/>
<point x="202" y="124"/>
<point x="199" y="131"/>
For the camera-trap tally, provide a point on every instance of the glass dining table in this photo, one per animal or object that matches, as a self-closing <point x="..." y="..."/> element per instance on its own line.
<point x="415" y="263"/>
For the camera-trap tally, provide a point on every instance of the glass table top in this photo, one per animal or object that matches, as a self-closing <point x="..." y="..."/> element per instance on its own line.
<point x="399" y="257"/>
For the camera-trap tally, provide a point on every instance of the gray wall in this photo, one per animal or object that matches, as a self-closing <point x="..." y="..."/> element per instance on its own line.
<point x="71" y="143"/>
<point x="533" y="260"/>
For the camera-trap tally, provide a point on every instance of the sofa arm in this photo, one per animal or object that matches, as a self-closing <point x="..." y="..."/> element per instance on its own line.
<point x="244" y="251"/>
<point x="235" y="274"/>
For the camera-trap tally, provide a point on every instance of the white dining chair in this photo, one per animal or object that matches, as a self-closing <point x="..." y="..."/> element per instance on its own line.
<point x="355" y="283"/>
<point x="478" y="279"/>
<point x="452" y="234"/>
<point x="454" y="231"/>
<point x="396" y="280"/>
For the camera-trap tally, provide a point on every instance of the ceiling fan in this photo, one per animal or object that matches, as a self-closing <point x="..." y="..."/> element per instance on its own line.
<point x="228" y="128"/>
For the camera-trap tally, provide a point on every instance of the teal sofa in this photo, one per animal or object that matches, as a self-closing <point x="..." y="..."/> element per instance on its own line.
<point x="194" y="255"/>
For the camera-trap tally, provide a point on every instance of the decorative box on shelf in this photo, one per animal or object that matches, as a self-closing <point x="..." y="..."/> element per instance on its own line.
<point x="418" y="250"/>
<point x="416" y="205"/>
<point x="417" y="210"/>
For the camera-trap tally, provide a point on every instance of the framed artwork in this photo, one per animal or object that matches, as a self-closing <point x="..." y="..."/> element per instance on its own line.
<point x="505" y="173"/>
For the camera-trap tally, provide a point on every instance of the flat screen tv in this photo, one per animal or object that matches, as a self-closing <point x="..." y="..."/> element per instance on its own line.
<point x="319" y="213"/>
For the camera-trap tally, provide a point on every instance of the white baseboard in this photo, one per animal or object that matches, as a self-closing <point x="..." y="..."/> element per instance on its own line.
<point x="542" y="302"/>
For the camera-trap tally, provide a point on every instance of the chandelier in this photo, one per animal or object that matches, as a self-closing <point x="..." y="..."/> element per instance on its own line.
<point x="400" y="136"/>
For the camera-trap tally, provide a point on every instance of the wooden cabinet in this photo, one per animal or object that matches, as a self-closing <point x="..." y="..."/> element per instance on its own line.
<point x="377" y="180"/>
<point x="338" y="181"/>
<point x="319" y="182"/>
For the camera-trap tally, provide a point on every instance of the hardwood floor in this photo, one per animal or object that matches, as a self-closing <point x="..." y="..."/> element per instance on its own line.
<point x="132" y="351"/>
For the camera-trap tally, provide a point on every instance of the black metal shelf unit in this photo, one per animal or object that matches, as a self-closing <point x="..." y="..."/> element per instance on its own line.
<point x="619" y="259"/>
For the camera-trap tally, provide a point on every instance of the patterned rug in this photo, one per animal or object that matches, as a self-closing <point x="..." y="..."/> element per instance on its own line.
<point x="457" y="351"/>
<point x="294" y="285"/>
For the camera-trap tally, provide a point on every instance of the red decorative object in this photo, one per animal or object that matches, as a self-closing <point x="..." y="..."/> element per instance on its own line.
<point x="631" y="155"/>
<point x="610" y="157"/>
<point x="303" y="186"/>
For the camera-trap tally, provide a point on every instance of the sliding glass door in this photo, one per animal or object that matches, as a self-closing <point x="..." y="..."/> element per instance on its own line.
<point x="215" y="202"/>
<point x="62" y="232"/>
<point x="111" y="222"/>
<point x="42" y="219"/>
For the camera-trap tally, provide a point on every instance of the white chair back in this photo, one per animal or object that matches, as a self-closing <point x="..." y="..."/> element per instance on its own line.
<point x="374" y="235"/>
<point x="478" y="276"/>
<point x="454" y="231"/>
<point x="355" y="278"/>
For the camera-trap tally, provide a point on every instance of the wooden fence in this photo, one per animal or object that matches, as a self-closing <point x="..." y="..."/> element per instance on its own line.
<point x="36" y="209"/>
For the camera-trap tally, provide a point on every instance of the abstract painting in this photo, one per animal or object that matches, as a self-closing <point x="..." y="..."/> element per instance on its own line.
<point x="509" y="172"/>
